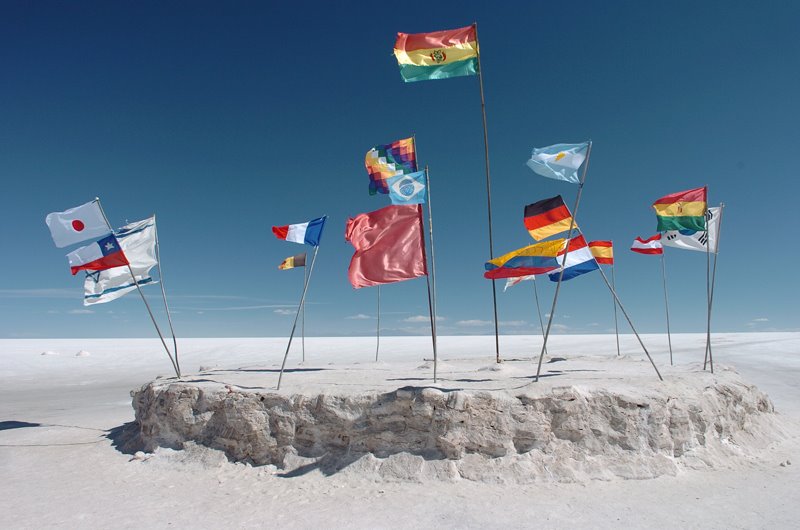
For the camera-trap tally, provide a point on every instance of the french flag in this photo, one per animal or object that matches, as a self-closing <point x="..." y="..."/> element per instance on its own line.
<point x="651" y="245"/>
<point x="101" y="255"/>
<point x="304" y="233"/>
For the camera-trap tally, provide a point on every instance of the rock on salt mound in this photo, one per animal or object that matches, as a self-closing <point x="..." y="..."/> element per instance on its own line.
<point x="539" y="433"/>
<point x="82" y="353"/>
<point x="50" y="352"/>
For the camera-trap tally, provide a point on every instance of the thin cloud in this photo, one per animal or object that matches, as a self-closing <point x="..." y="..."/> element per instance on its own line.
<point x="474" y="323"/>
<point x="513" y="323"/>
<point x="284" y="312"/>
<point x="360" y="316"/>
<point x="418" y="319"/>
<point x="37" y="293"/>
<point x="80" y="312"/>
<point x="760" y="320"/>
<point x="234" y="308"/>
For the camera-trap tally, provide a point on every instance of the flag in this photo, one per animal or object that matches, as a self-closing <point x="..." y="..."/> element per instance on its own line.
<point x="684" y="210"/>
<point x="298" y="260"/>
<point x="77" y="224"/>
<point x="695" y="239"/>
<point x="390" y="246"/>
<point x="511" y="282"/>
<point x="138" y="243"/>
<point x="547" y="218"/>
<point x="408" y="189"/>
<point x="603" y="252"/>
<point x="538" y="258"/>
<point x="308" y="233"/>
<point x="559" y="161"/>
<point x="103" y="254"/>
<point x="650" y="245"/>
<point x="579" y="260"/>
<point x="390" y="160"/>
<point x="437" y="55"/>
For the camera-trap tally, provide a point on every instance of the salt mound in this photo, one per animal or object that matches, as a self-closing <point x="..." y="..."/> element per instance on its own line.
<point x="50" y="352"/>
<point x="589" y="429"/>
<point x="82" y="353"/>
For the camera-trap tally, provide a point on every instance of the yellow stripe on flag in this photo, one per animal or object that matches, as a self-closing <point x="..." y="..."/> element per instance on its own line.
<point x="437" y="56"/>
<point x="546" y="249"/>
<point x="552" y="229"/>
<point x="681" y="209"/>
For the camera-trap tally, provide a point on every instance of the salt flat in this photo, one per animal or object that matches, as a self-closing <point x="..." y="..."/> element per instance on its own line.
<point x="65" y="471"/>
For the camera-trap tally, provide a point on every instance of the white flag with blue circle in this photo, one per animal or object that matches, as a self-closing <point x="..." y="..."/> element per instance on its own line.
<point x="407" y="189"/>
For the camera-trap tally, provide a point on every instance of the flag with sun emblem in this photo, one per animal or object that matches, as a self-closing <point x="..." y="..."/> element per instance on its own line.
<point x="559" y="161"/>
<point x="407" y="189"/>
<point x="390" y="160"/>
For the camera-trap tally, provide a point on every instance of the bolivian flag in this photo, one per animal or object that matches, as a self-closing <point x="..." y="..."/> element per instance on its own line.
<point x="437" y="55"/>
<point x="685" y="210"/>
<point x="533" y="259"/>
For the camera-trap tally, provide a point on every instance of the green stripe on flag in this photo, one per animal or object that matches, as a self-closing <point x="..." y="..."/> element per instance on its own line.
<point x="681" y="223"/>
<point x="411" y="72"/>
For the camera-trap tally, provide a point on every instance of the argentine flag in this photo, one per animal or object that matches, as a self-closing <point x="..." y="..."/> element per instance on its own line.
<point x="559" y="161"/>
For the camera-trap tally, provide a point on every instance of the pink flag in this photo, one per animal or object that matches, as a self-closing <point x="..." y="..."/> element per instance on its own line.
<point x="389" y="246"/>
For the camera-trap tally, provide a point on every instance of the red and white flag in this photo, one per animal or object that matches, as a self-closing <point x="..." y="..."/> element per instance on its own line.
<point x="77" y="224"/>
<point x="103" y="254"/>
<point x="650" y="245"/>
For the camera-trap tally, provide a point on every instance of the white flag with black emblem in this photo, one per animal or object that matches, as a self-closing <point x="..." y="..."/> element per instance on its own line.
<point x="695" y="240"/>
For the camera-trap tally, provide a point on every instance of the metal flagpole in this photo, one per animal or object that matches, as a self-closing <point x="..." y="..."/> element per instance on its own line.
<point x="564" y="259"/>
<point x="432" y="287"/>
<point x="488" y="192"/>
<point x="299" y="307"/>
<point x="433" y="326"/>
<point x="303" y="322"/>
<point x="164" y="296"/>
<point x="616" y="328"/>
<point x="139" y="288"/>
<point x="378" y="327"/>
<point x="538" y="309"/>
<point x="625" y="313"/>
<point x="709" y="355"/>
<point x="666" y="302"/>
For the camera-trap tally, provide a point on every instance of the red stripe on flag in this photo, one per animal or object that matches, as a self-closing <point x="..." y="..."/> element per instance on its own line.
<point x="117" y="259"/>
<point x="547" y="218"/>
<point x="435" y="39"/>
<point x="694" y="195"/>
<point x="648" y="250"/>
<point x="514" y="272"/>
<point x="606" y="244"/>
<point x="280" y="231"/>
<point x="604" y="261"/>
<point x="576" y="243"/>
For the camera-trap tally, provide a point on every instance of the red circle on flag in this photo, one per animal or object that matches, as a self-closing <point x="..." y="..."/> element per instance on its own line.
<point x="78" y="225"/>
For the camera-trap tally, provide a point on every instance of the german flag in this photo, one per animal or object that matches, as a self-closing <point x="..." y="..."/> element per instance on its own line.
<point x="603" y="252"/>
<point x="685" y="210"/>
<point x="547" y="218"/>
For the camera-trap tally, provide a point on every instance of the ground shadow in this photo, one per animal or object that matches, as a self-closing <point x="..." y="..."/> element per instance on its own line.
<point x="126" y="438"/>
<point x="12" y="424"/>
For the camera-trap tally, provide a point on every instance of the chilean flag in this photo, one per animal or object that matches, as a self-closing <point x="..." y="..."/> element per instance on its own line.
<point x="308" y="233"/>
<point x="99" y="256"/>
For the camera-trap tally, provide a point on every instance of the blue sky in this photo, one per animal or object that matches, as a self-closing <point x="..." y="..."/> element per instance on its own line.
<point x="227" y="118"/>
